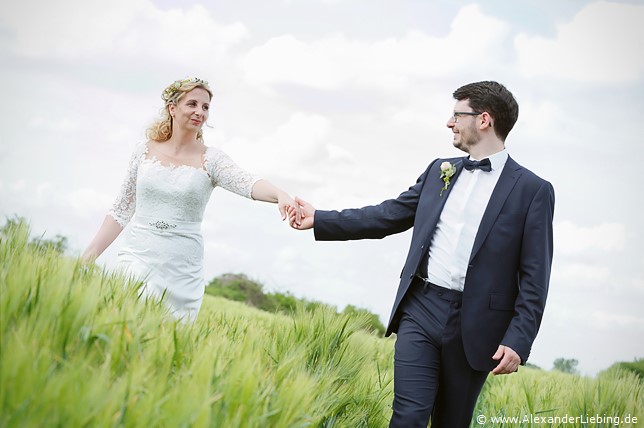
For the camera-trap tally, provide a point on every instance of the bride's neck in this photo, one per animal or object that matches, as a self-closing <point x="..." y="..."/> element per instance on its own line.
<point x="181" y="140"/>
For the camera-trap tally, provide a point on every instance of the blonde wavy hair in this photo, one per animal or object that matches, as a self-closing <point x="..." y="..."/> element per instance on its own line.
<point x="161" y="129"/>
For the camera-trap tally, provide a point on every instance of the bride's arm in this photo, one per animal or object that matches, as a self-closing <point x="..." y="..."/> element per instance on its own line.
<point x="107" y="233"/>
<point x="121" y="212"/>
<point x="226" y="173"/>
<point x="264" y="190"/>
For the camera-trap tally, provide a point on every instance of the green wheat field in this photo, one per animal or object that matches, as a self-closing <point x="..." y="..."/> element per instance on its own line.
<point x="79" y="350"/>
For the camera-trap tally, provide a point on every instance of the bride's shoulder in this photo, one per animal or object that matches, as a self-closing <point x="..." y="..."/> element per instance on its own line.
<point x="141" y="148"/>
<point x="139" y="151"/>
<point x="214" y="153"/>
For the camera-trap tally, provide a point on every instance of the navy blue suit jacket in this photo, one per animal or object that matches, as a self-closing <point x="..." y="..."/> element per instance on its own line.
<point x="509" y="270"/>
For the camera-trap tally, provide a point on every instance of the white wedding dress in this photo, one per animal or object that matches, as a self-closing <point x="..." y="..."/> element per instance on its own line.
<point x="164" y="205"/>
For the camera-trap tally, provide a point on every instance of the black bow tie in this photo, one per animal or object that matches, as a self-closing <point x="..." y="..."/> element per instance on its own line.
<point x="483" y="165"/>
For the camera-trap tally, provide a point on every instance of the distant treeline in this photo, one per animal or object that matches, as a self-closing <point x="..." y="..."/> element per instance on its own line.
<point x="636" y="367"/>
<point x="236" y="287"/>
<point x="240" y="288"/>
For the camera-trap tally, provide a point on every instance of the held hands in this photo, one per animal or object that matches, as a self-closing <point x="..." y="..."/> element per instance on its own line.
<point x="286" y="204"/>
<point x="307" y="215"/>
<point x="509" y="363"/>
<point x="263" y="190"/>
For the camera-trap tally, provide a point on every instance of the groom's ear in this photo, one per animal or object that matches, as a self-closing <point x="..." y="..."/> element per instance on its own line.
<point x="486" y="120"/>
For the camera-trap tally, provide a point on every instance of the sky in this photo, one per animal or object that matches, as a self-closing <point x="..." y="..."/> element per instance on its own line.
<point x="343" y="103"/>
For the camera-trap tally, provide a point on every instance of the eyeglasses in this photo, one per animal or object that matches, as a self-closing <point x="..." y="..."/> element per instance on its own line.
<point x="456" y="114"/>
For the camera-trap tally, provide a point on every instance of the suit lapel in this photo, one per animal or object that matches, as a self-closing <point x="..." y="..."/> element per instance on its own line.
<point x="443" y="198"/>
<point x="429" y="224"/>
<point x="507" y="180"/>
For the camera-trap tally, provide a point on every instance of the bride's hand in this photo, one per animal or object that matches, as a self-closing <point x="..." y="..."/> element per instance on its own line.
<point x="287" y="205"/>
<point x="307" y="215"/>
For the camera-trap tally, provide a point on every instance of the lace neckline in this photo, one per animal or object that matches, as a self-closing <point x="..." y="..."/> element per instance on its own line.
<point x="145" y="156"/>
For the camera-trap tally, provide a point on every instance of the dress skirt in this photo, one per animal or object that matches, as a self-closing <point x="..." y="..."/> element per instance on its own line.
<point x="167" y="255"/>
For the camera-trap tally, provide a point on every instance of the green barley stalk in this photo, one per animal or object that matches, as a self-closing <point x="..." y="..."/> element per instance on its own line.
<point x="79" y="349"/>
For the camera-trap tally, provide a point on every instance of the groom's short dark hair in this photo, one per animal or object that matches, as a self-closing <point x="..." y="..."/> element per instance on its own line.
<point x="495" y="99"/>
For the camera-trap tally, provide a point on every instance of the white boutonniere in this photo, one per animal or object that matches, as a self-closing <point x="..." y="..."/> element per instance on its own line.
<point x="447" y="171"/>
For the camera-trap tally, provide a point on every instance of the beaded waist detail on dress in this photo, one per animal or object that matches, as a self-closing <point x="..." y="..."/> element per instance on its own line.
<point x="165" y="224"/>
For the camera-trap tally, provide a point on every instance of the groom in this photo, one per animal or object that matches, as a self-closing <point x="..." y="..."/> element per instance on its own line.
<point x="474" y="286"/>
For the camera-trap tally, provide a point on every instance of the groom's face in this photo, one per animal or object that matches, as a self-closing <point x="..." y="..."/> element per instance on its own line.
<point x="464" y="127"/>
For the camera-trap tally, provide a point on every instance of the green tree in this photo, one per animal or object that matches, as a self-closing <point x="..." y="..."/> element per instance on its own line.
<point x="238" y="287"/>
<point x="284" y="302"/>
<point x="636" y="367"/>
<point x="374" y="323"/>
<point x="566" y="365"/>
<point x="58" y="243"/>
<point x="243" y="289"/>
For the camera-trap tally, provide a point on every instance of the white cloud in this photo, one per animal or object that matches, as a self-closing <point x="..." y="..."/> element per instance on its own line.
<point x="582" y="274"/>
<point x="63" y="124"/>
<point x="609" y="321"/>
<point x="638" y="284"/>
<point x="571" y="238"/>
<point x="337" y="153"/>
<point x="301" y="140"/>
<point x="92" y="29"/>
<point x="72" y="29"/>
<point x="286" y="59"/>
<point x="600" y="44"/>
<point x="17" y="185"/>
<point x="534" y="114"/>
<point x="29" y="196"/>
<point x="335" y="61"/>
<point x="184" y="34"/>
<point x="87" y="200"/>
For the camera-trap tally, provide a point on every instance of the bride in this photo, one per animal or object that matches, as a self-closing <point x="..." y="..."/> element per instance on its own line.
<point x="164" y="195"/>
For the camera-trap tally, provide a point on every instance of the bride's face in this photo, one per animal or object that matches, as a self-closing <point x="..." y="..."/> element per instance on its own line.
<point x="192" y="110"/>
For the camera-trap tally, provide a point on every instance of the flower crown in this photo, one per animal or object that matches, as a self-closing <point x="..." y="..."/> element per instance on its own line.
<point x="169" y="92"/>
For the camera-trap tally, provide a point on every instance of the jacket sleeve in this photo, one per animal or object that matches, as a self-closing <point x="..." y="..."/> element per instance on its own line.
<point x="370" y="222"/>
<point x="534" y="273"/>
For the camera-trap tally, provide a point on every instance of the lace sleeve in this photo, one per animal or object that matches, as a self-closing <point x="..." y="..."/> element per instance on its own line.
<point x="125" y="203"/>
<point x="226" y="173"/>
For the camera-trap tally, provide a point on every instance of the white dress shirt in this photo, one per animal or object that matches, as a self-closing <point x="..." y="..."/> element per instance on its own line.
<point x="451" y="245"/>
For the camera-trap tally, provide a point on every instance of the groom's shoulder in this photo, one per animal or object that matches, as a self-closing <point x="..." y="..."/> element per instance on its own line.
<point x="450" y="160"/>
<point x="528" y="174"/>
<point x="436" y="163"/>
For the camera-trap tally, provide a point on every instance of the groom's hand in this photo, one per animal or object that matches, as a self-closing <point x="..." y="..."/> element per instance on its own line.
<point x="509" y="363"/>
<point x="308" y="214"/>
